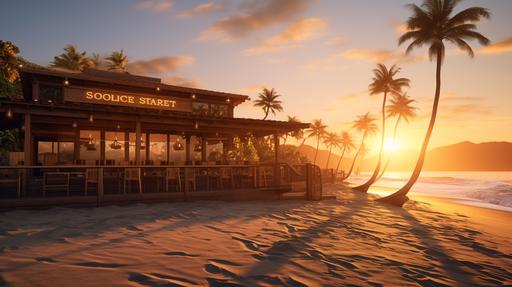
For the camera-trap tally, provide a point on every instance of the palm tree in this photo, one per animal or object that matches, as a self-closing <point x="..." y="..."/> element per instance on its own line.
<point x="383" y="82"/>
<point x="347" y="144"/>
<point x="117" y="61"/>
<point x="331" y="140"/>
<point x="317" y="129"/>
<point x="431" y="24"/>
<point x="291" y="119"/>
<point x="9" y="61"/>
<point x="71" y="59"/>
<point x="401" y="108"/>
<point x="366" y="125"/>
<point x="268" y="101"/>
<point x="95" y="61"/>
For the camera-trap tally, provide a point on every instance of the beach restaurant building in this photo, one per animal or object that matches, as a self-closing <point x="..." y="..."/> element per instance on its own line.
<point x="84" y="131"/>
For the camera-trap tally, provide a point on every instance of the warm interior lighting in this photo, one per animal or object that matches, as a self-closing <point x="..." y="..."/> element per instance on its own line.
<point x="91" y="118"/>
<point x="158" y="89"/>
<point x="228" y="100"/>
<point x="90" y="146"/>
<point x="8" y="113"/>
<point x="196" y="125"/>
<point x="115" y="144"/>
<point x="75" y="124"/>
<point x="66" y="82"/>
<point x="193" y="96"/>
<point x="142" y="144"/>
<point x="198" y="147"/>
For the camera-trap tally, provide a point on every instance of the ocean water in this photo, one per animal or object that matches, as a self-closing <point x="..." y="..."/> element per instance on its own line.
<point x="486" y="189"/>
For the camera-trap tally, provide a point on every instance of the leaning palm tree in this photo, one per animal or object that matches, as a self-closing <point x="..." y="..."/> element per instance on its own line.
<point x="71" y="59"/>
<point x="366" y="125"/>
<point x="400" y="108"/>
<point x="9" y="61"/>
<point x="384" y="82"/>
<point x="331" y="140"/>
<point x="317" y="129"/>
<point x="268" y="101"/>
<point x="347" y="144"/>
<point x="431" y="24"/>
<point x="117" y="61"/>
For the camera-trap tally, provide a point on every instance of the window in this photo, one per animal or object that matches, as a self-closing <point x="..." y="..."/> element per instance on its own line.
<point x="219" y="110"/>
<point x="50" y="93"/>
<point x="90" y="146"/>
<point x="114" y="146"/>
<point x="201" y="109"/>
<point x="158" y="147"/>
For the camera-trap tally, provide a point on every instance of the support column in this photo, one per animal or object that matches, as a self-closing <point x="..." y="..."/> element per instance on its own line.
<point x="102" y="147"/>
<point x="28" y="144"/>
<point x="168" y="148"/>
<point x="27" y="148"/>
<point x="277" y="167"/>
<point x="204" y="142"/>
<point x="188" y="156"/>
<point x="76" y="148"/>
<point x="127" y="146"/>
<point x="137" y="142"/>
<point x="148" y="147"/>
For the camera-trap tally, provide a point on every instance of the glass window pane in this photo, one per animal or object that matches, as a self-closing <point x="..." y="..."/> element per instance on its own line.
<point x="158" y="148"/>
<point x="199" y="108"/>
<point x="90" y="146"/>
<point x="142" y="147"/>
<point x="66" y="152"/>
<point x="219" y="110"/>
<point x="114" y="146"/>
<point x="178" y="150"/>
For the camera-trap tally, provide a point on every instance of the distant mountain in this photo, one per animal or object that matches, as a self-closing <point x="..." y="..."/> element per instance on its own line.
<point x="463" y="156"/>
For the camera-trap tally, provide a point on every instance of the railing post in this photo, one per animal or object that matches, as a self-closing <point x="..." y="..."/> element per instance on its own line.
<point x="100" y="185"/>
<point x="186" y="189"/>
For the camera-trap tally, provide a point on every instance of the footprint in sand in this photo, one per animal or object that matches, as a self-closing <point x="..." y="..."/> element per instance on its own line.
<point x="99" y="264"/>
<point x="46" y="259"/>
<point x="155" y="280"/>
<point x="180" y="253"/>
<point x="247" y="243"/>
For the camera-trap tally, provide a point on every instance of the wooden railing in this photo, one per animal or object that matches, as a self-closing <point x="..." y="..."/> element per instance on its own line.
<point x="180" y="181"/>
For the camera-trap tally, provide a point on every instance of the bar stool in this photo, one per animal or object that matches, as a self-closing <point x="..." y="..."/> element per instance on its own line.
<point x="132" y="174"/>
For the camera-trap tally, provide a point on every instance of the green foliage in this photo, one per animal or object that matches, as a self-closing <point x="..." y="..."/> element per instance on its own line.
<point x="10" y="140"/>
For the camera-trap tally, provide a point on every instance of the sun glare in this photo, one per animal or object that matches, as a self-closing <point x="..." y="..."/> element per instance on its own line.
<point x="390" y="145"/>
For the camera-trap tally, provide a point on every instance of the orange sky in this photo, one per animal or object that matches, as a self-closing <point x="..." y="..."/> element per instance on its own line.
<point x="317" y="54"/>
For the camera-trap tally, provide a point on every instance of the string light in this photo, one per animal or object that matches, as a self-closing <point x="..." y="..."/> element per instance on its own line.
<point x="66" y="82"/>
<point x="158" y="89"/>
<point x="91" y="118"/>
<point x="194" y="96"/>
<point x="8" y="113"/>
<point x="228" y="100"/>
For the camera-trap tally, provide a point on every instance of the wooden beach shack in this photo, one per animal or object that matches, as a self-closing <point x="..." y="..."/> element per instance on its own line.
<point x="100" y="137"/>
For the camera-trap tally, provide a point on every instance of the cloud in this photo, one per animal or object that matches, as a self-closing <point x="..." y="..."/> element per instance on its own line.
<point x="180" y="81"/>
<point x="253" y="89"/>
<point x="295" y="34"/>
<point x="256" y="16"/>
<point x="382" y="55"/>
<point x="154" y="5"/>
<point x="201" y="9"/>
<point x="337" y="41"/>
<point x="329" y="63"/>
<point x="159" y="65"/>
<point x="504" y="46"/>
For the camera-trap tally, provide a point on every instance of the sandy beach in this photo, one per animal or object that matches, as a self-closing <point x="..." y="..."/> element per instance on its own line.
<point x="348" y="241"/>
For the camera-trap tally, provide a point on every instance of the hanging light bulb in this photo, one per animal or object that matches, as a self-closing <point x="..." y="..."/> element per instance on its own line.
<point x="228" y="100"/>
<point x="90" y="146"/>
<point x="66" y="82"/>
<point x="193" y="96"/>
<point x="118" y="126"/>
<point x="178" y="145"/>
<point x="75" y="124"/>
<point x="115" y="144"/>
<point x="198" y="147"/>
<point x="8" y="114"/>
<point x="142" y="146"/>
<point x="196" y="125"/>
<point x="91" y="118"/>
<point x="158" y="89"/>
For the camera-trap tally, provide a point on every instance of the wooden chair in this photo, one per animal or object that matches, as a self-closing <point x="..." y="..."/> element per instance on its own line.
<point x="190" y="178"/>
<point x="91" y="176"/>
<point x="8" y="178"/>
<point x="132" y="174"/>
<point x="55" y="181"/>
<point x="226" y="175"/>
<point x="172" y="175"/>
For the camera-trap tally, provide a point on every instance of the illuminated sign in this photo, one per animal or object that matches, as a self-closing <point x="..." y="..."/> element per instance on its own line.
<point x="119" y="98"/>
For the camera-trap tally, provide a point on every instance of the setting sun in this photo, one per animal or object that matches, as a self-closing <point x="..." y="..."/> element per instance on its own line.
<point x="390" y="145"/>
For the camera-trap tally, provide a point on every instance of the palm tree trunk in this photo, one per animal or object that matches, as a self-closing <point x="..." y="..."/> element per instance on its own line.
<point x="328" y="158"/>
<point x="400" y="197"/>
<point x="341" y="157"/>
<point x="317" y="147"/>
<point x="303" y="141"/>
<point x="285" y="138"/>
<point x="391" y="153"/>
<point x="355" y="158"/>
<point x="365" y="186"/>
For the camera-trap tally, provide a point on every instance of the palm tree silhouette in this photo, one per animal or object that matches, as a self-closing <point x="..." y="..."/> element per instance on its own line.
<point x="366" y="125"/>
<point x="291" y="119"/>
<point x="331" y="140"/>
<point x="268" y="101"/>
<point x="71" y="59"/>
<point x="431" y="24"/>
<point x="401" y="108"/>
<point x="383" y="82"/>
<point x="117" y="61"/>
<point x="9" y="61"/>
<point x="347" y="144"/>
<point x="95" y="60"/>
<point x="317" y="129"/>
